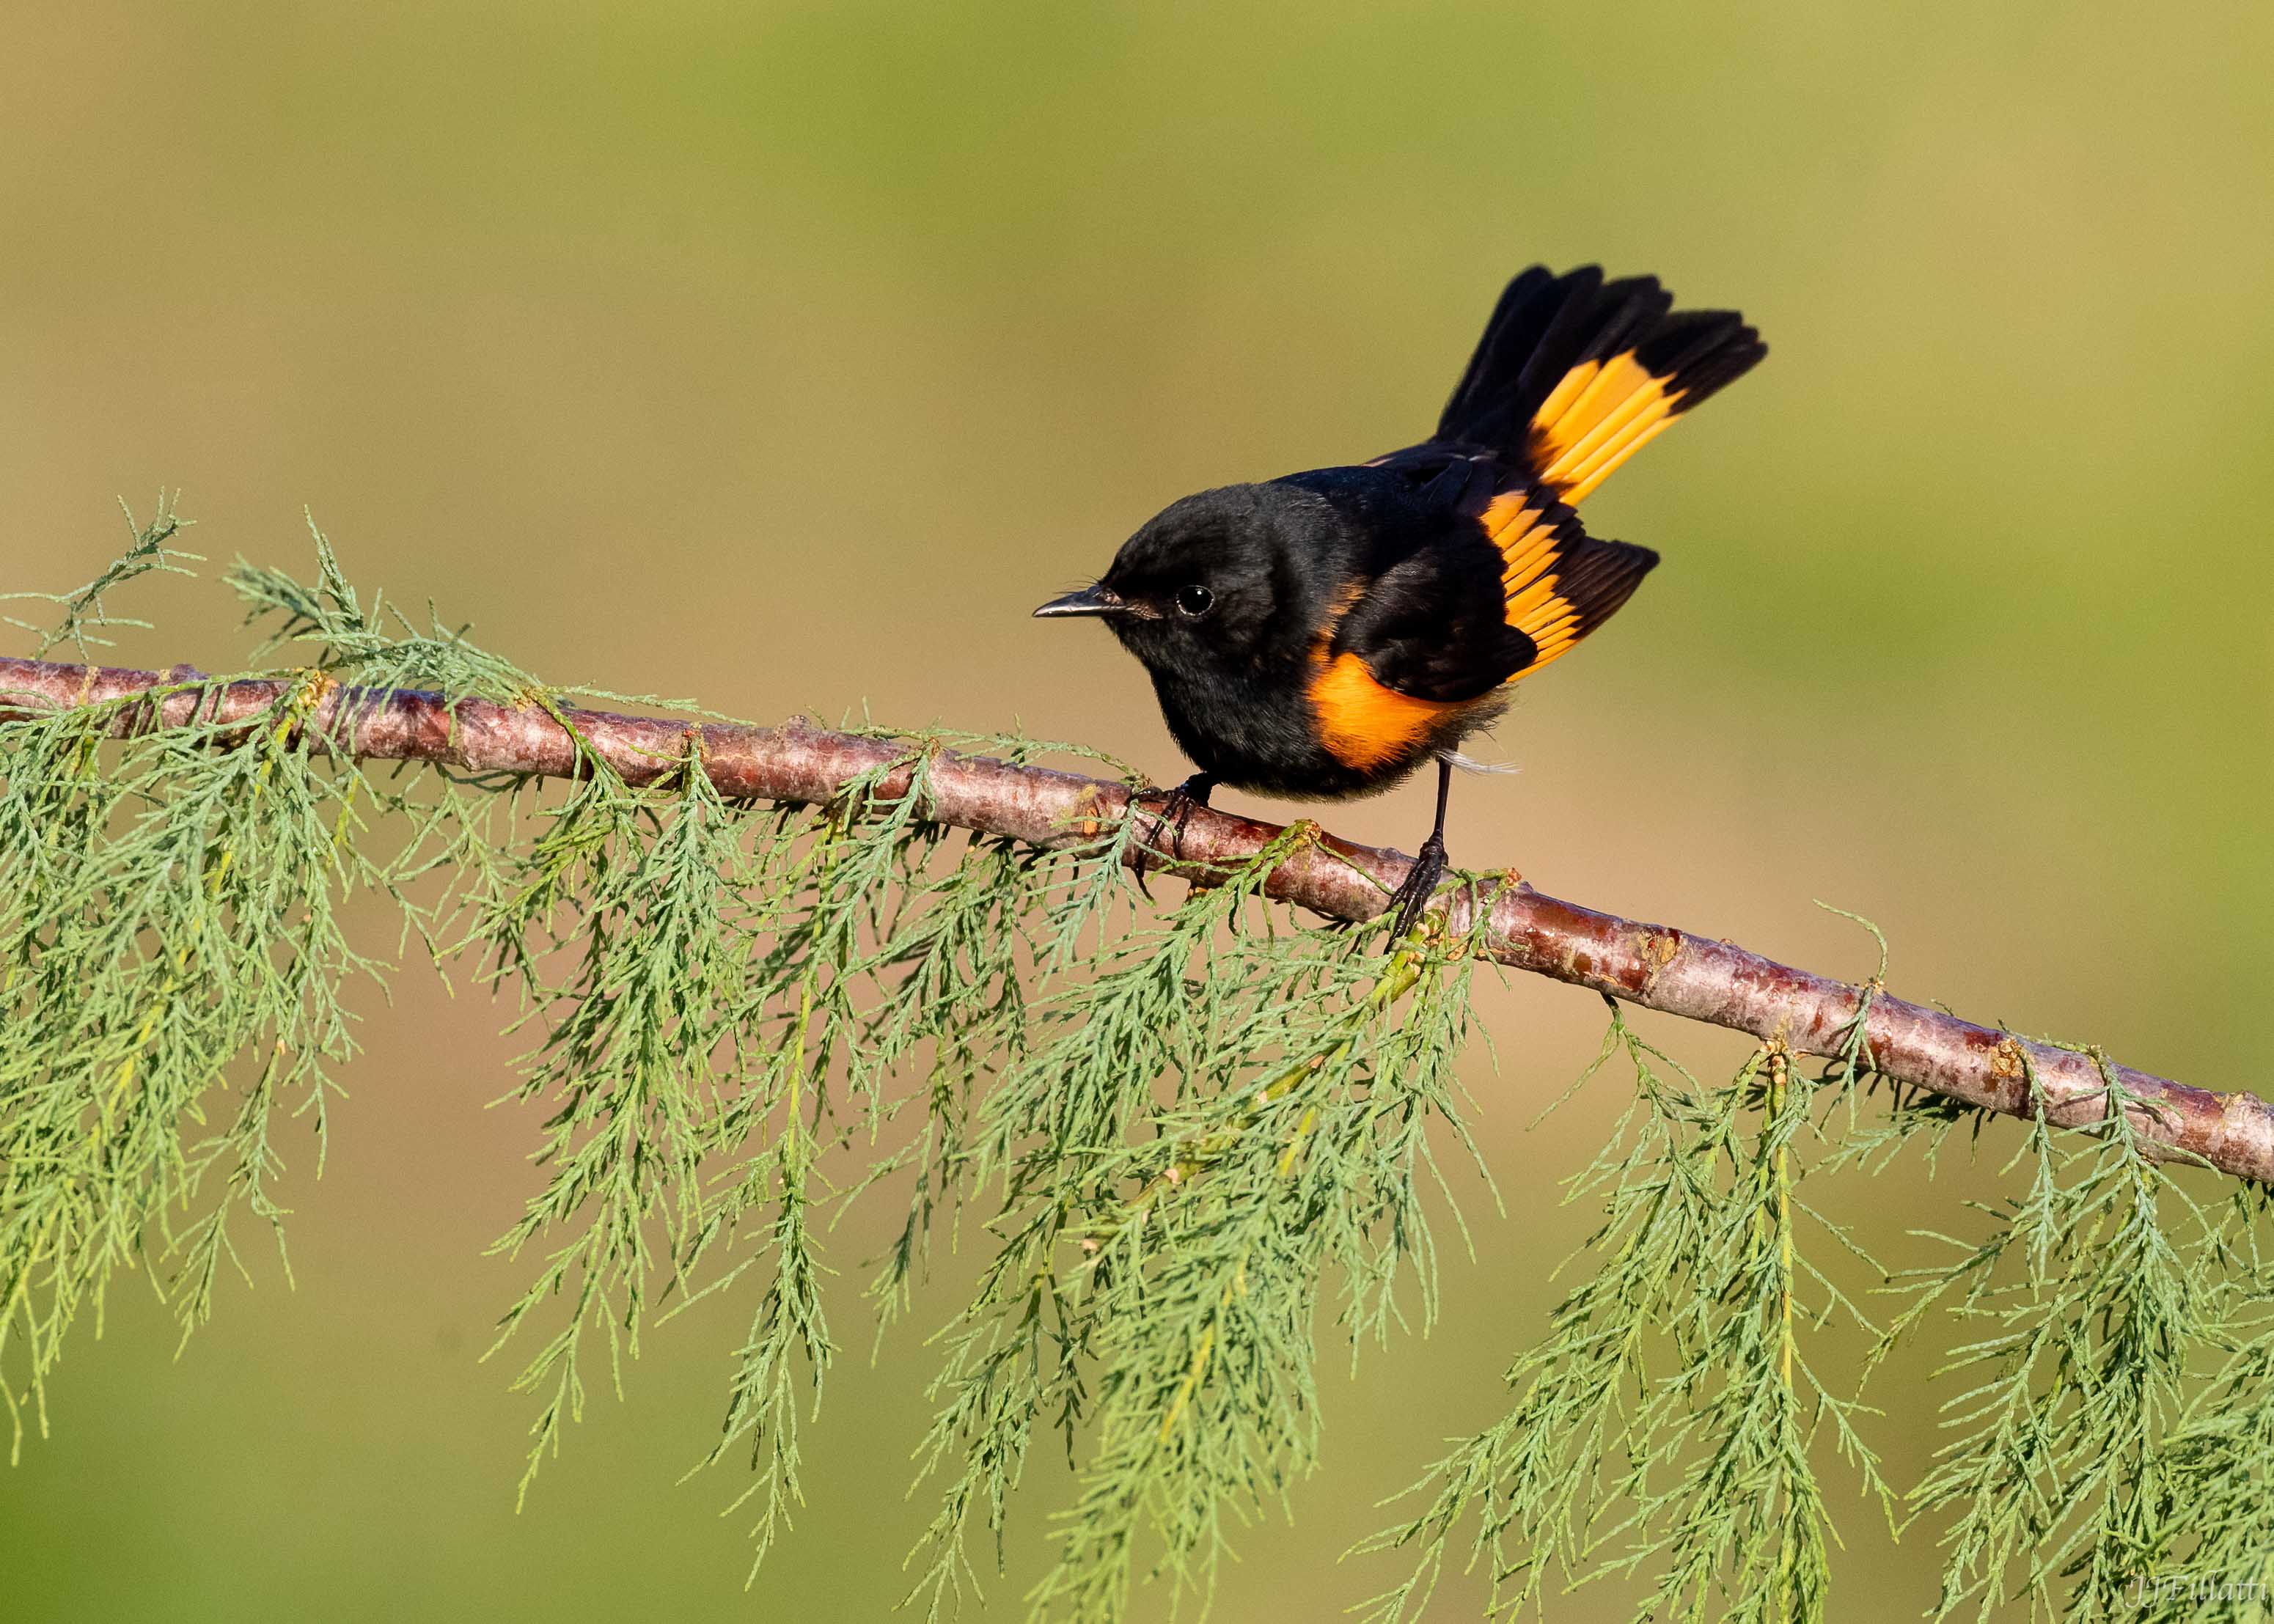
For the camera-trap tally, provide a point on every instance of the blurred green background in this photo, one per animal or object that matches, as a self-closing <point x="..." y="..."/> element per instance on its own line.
<point x="786" y="355"/>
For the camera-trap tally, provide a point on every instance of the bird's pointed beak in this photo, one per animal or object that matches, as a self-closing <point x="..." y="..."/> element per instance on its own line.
<point x="1098" y="599"/>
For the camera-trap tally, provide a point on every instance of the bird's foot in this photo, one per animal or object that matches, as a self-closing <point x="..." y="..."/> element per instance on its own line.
<point x="1176" y="811"/>
<point x="1413" y="892"/>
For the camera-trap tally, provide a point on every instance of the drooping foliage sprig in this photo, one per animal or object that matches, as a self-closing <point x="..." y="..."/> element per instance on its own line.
<point x="1199" y="1139"/>
<point x="2105" y="1329"/>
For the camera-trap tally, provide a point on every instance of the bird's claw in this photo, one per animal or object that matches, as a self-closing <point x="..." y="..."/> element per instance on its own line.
<point x="1413" y="892"/>
<point x="1175" y="811"/>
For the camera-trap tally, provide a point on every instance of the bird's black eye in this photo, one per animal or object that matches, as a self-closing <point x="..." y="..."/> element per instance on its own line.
<point x="1195" y="600"/>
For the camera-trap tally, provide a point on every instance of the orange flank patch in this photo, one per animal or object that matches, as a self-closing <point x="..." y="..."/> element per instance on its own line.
<point x="1363" y="724"/>
<point x="1599" y="414"/>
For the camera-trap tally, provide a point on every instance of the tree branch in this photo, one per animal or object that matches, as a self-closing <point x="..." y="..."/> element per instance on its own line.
<point x="1655" y="966"/>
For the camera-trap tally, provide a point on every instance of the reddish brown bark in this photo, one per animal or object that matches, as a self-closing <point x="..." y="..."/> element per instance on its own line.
<point x="1655" y="967"/>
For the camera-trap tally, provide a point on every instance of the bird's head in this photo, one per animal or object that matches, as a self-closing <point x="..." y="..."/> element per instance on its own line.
<point x="1208" y="578"/>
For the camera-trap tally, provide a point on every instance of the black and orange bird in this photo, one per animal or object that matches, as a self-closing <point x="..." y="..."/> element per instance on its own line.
<point x="1320" y="635"/>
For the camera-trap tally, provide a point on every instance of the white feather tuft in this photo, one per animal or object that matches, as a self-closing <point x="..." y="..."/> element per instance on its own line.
<point x="1469" y="763"/>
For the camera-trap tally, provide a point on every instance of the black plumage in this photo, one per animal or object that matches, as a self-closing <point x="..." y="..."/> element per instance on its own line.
<point x="1325" y="634"/>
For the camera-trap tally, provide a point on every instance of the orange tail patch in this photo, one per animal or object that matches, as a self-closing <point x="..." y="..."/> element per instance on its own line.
<point x="1608" y="408"/>
<point x="1600" y="415"/>
<point x="1575" y="374"/>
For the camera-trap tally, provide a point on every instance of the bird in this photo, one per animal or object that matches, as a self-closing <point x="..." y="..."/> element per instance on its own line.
<point x="1324" y="634"/>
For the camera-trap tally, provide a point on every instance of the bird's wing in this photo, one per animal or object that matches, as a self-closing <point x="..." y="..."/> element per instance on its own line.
<point x="1409" y="649"/>
<point x="1455" y="619"/>
<point x="1557" y="582"/>
<point x="1430" y="627"/>
<point x="1495" y="598"/>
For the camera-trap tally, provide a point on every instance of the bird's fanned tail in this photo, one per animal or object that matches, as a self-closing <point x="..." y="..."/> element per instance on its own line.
<point x="1574" y="375"/>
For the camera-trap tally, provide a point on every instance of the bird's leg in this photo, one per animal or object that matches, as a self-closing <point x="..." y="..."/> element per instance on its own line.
<point x="1194" y="791"/>
<point x="1176" y="812"/>
<point x="1421" y="882"/>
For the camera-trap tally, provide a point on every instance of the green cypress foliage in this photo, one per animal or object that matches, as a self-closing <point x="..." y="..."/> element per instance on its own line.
<point x="1197" y="1140"/>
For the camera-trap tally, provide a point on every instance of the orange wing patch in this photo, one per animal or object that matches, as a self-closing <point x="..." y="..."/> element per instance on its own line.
<point x="1560" y="583"/>
<point x="1363" y="724"/>
<point x="1599" y="414"/>
<point x="1533" y="539"/>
